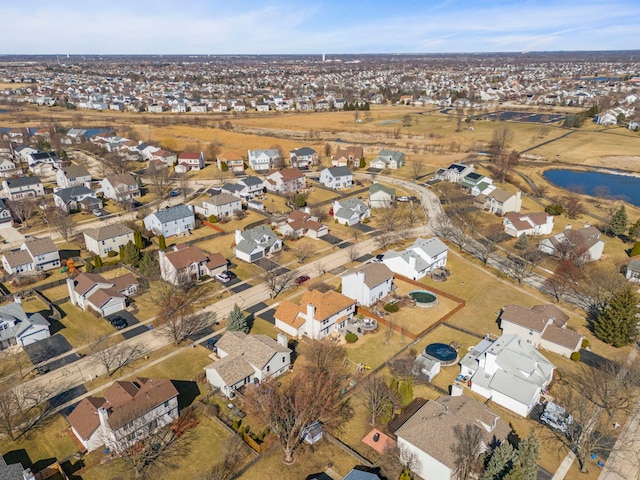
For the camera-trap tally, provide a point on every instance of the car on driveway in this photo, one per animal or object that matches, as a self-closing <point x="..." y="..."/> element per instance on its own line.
<point x="97" y="212"/>
<point x="118" y="322"/>
<point x="301" y="279"/>
<point x="175" y="193"/>
<point x="402" y="199"/>
<point x="223" y="277"/>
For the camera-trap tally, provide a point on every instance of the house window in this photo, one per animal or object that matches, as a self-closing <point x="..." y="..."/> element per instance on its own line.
<point x="166" y="404"/>
<point x="268" y="368"/>
<point x="283" y="359"/>
<point x="530" y="332"/>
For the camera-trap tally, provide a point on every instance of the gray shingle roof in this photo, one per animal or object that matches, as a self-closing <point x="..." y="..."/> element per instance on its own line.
<point x="304" y="151"/>
<point x="339" y="172"/>
<point x="74" y="171"/>
<point x="72" y="193"/>
<point x="40" y="246"/>
<point x="107" y="231"/>
<point x="222" y="199"/>
<point x="22" y="182"/>
<point x="173" y="213"/>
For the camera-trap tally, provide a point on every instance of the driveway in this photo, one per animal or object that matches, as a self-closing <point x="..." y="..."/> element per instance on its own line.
<point x="11" y="235"/>
<point x="269" y="316"/>
<point x="266" y="264"/>
<point x="47" y="349"/>
<point x="331" y="239"/>
<point x="364" y="227"/>
<point x="241" y="287"/>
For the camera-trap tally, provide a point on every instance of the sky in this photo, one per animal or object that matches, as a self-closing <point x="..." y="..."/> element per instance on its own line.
<point x="315" y="27"/>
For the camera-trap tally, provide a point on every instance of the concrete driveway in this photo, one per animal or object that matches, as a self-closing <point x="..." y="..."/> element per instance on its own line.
<point x="11" y="235"/>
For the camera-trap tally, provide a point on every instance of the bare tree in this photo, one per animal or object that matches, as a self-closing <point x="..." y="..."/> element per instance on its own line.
<point x="598" y="283"/>
<point x="23" y="209"/>
<point x="411" y="215"/>
<point x="388" y="219"/>
<point x="277" y="281"/>
<point x="443" y="227"/>
<point x="520" y="265"/>
<point x="573" y="207"/>
<point x="459" y="118"/>
<point x="467" y="449"/>
<point x="183" y="184"/>
<point x="302" y="252"/>
<point x="228" y="468"/>
<point x="486" y="245"/>
<point x="416" y="169"/>
<point x="114" y="354"/>
<point x="320" y="214"/>
<point x="21" y="407"/>
<point x="353" y="252"/>
<point x="500" y="140"/>
<point x="378" y="399"/>
<point x="17" y="357"/>
<point x="116" y="164"/>
<point x="63" y="223"/>
<point x="505" y="162"/>
<point x="384" y="239"/>
<point x="160" y="181"/>
<point x="321" y="267"/>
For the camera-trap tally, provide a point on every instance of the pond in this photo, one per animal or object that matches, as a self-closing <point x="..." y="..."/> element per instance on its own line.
<point x="597" y="184"/>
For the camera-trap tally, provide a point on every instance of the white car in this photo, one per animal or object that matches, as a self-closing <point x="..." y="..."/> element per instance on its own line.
<point x="97" y="212"/>
<point x="223" y="277"/>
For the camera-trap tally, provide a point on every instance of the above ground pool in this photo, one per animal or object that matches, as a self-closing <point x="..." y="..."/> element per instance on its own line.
<point x="423" y="298"/>
<point x="442" y="352"/>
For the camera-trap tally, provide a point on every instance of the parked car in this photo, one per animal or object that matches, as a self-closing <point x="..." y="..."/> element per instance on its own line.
<point x="211" y="343"/>
<point x="97" y="212"/>
<point x="230" y="274"/>
<point x="223" y="277"/>
<point x="301" y="279"/>
<point x="119" y="323"/>
<point x="402" y="199"/>
<point x="175" y="193"/>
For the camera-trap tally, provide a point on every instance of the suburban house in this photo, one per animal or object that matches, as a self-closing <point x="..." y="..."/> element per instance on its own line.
<point x="299" y="224"/>
<point x="358" y="474"/>
<point x="509" y="371"/>
<point x="475" y="184"/>
<point x="381" y="196"/>
<point x="304" y="158"/>
<point x="318" y="314"/>
<point x="193" y="160"/>
<point x="368" y="283"/>
<point x="107" y="238"/>
<point x="8" y="168"/>
<point x="120" y="188"/>
<point x="347" y="157"/>
<point x="531" y="224"/>
<point x="76" y="198"/>
<point x="169" y="221"/>
<point x="264" y="160"/>
<point x="632" y="272"/>
<point x="350" y="211"/>
<point x="20" y="328"/>
<point x="583" y="244"/>
<point x="542" y="326"/>
<point x="390" y="159"/>
<point x="42" y="163"/>
<point x="22" y="187"/>
<point x="222" y="205"/>
<point x="128" y="411"/>
<point x="189" y="262"/>
<point x="165" y="156"/>
<point x="428" y="435"/>
<point x="92" y="290"/>
<point x="234" y="161"/>
<point x="246" y="188"/>
<point x="5" y="215"/>
<point x="287" y="180"/>
<point x="500" y="201"/>
<point x="336" y="177"/>
<point x="14" y="471"/>
<point x="247" y="359"/>
<point x="424" y="256"/>
<point x="256" y="243"/>
<point x="455" y="172"/>
<point x="73" y="176"/>
<point x="34" y="254"/>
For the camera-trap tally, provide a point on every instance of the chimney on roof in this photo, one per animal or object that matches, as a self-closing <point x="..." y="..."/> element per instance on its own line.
<point x="282" y="340"/>
<point x="17" y="299"/>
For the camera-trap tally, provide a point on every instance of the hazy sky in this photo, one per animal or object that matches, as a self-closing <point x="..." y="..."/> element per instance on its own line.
<point x="322" y="26"/>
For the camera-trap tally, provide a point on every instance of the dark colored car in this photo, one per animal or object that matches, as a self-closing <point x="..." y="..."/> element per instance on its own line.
<point x="230" y="274"/>
<point x="301" y="279"/>
<point x="119" y="323"/>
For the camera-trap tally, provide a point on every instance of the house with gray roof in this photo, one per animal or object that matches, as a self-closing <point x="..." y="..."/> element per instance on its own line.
<point x="350" y="211"/>
<point x="475" y="184"/>
<point x="73" y="176"/>
<point x="367" y="283"/>
<point x="256" y="243"/>
<point x="632" y="271"/>
<point x="34" y="254"/>
<point x="500" y="201"/>
<point x="20" y="328"/>
<point x="509" y="371"/>
<point x="76" y="198"/>
<point x="582" y="243"/>
<point x="336" y="177"/>
<point x="391" y="159"/>
<point x="381" y="196"/>
<point x="264" y="160"/>
<point x="107" y="238"/>
<point x="246" y="188"/>
<point x="22" y="187"/>
<point x="454" y="173"/>
<point x="5" y="215"/>
<point x="424" y="256"/>
<point x="304" y="158"/>
<point x="175" y="220"/>
<point x="222" y="205"/>
<point x="429" y="434"/>
<point x="246" y="359"/>
<point x="14" y="471"/>
<point x="121" y="188"/>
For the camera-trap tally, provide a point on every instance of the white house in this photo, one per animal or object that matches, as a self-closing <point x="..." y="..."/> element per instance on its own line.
<point x="542" y="326"/>
<point x="287" y="180"/>
<point x="5" y="215"/>
<point x="193" y="160"/>
<point x="120" y="188"/>
<point x="247" y="359"/>
<point x="367" y="283"/>
<point x="20" y="328"/>
<point x="381" y="196"/>
<point x="532" y="224"/>
<point x="475" y="184"/>
<point x="128" y="411"/>
<point x="336" y="177"/>
<point x="388" y="159"/>
<point x="189" y="262"/>
<point x="34" y="254"/>
<point x="92" y="290"/>
<point x="417" y="260"/>
<point x="632" y="272"/>
<point x="222" y="205"/>
<point x="8" y="168"/>
<point x="583" y="244"/>
<point x="103" y="239"/>
<point x="22" y="187"/>
<point x="73" y="176"/>
<point x="350" y="211"/>
<point x="256" y="243"/>
<point x="264" y="160"/>
<point x="304" y="158"/>
<point x="318" y="314"/>
<point x="246" y="188"/>
<point x="233" y="161"/>
<point x="300" y="223"/>
<point x="509" y="371"/>
<point x="500" y="201"/>
<point x="76" y="198"/>
<point x="171" y="220"/>
<point x="428" y="436"/>
<point x="454" y="173"/>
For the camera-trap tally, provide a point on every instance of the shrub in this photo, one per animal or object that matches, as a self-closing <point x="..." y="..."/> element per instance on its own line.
<point x="205" y="277"/>
<point x="554" y="209"/>
<point x="213" y="218"/>
<point x="351" y="337"/>
<point x="575" y="356"/>
<point x="112" y="253"/>
<point x="585" y="343"/>
<point x="391" y="307"/>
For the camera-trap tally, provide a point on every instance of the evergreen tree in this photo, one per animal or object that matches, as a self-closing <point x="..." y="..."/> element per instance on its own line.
<point x="616" y="322"/>
<point x="500" y="462"/>
<point x="523" y="242"/>
<point x="619" y="222"/>
<point x="138" y="240"/>
<point x="635" y="250"/>
<point x="363" y="163"/>
<point x="130" y="254"/>
<point x="237" y="322"/>
<point x="97" y="261"/>
<point x="149" y="266"/>
<point x="634" y="231"/>
<point x="405" y="475"/>
<point x="526" y="465"/>
<point x="89" y="267"/>
<point x="162" y="242"/>
<point x="224" y="167"/>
